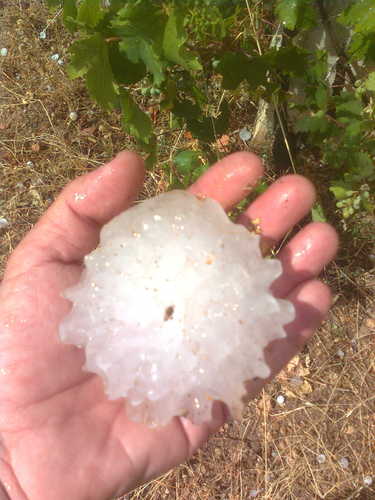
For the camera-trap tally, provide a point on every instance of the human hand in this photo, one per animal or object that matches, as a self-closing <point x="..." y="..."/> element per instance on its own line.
<point x="60" y="437"/>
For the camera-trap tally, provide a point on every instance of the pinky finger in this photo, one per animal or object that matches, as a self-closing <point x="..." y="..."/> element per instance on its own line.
<point x="312" y="300"/>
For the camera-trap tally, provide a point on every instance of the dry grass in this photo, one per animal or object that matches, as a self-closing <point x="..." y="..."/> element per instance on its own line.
<point x="330" y="404"/>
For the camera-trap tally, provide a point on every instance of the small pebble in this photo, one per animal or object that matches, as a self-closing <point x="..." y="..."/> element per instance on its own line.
<point x="340" y="353"/>
<point x="254" y="493"/>
<point x="367" y="480"/>
<point x="42" y="35"/>
<point x="4" y="52"/>
<point x="280" y="400"/>
<point x="245" y="134"/>
<point x="344" y="462"/>
<point x="29" y="164"/>
<point x="296" y="381"/>
<point x="73" y="116"/>
<point x="60" y="62"/>
<point x="4" y="222"/>
<point x="321" y="458"/>
<point x="55" y="57"/>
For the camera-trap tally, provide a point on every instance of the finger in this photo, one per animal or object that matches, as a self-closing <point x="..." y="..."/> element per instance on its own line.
<point x="230" y="179"/>
<point x="312" y="300"/>
<point x="305" y="256"/>
<point x="70" y="228"/>
<point x="279" y="208"/>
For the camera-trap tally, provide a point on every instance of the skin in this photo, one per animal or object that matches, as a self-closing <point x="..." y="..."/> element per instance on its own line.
<point x="59" y="435"/>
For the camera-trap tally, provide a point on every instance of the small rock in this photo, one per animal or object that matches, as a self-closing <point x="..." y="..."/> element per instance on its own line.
<point x="280" y="400"/>
<point x="60" y="62"/>
<point x="344" y="462"/>
<point x="321" y="458"/>
<point x="4" y="222"/>
<point x="254" y="493"/>
<point x="296" y="381"/>
<point x="73" y="116"/>
<point x="4" y="52"/>
<point x="55" y="57"/>
<point x="43" y="35"/>
<point x="340" y="353"/>
<point x="245" y="134"/>
<point x="367" y="480"/>
<point x="29" y="164"/>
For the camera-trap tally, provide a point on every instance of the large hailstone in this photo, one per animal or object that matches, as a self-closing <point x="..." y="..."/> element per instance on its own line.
<point x="174" y="310"/>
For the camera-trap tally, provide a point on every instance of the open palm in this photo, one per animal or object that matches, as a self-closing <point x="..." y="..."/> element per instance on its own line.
<point x="60" y="437"/>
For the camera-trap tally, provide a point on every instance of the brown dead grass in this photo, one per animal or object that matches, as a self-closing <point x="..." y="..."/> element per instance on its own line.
<point x="273" y="451"/>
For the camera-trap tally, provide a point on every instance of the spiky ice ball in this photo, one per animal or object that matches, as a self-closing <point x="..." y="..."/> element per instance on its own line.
<point x="174" y="310"/>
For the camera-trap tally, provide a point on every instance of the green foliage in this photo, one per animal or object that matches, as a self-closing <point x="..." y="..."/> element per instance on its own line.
<point x="135" y="121"/>
<point x="70" y="14"/>
<point x="361" y="16"/>
<point x="141" y="30"/>
<point x="89" y="13"/>
<point x="174" y="51"/>
<point x="293" y="13"/>
<point x="90" y="59"/>
<point x="189" y="166"/>
<point x="317" y="213"/>
<point x="174" y="41"/>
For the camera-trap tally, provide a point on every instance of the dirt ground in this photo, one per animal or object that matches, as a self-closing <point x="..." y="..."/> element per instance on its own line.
<point x="321" y="442"/>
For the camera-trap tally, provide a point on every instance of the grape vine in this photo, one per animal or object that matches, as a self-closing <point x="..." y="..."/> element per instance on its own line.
<point x="321" y="71"/>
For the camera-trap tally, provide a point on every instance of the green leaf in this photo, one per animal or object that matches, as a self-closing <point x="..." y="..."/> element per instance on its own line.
<point x="141" y="28"/>
<point x="370" y="82"/>
<point x="90" y="59"/>
<point x="174" y="40"/>
<point x="317" y="213"/>
<point x="170" y="94"/>
<point x="296" y="13"/>
<point x="139" y="50"/>
<point x="316" y="123"/>
<point x="354" y="128"/>
<point x="124" y="71"/>
<point x="233" y="68"/>
<point x="90" y="13"/>
<point x="322" y="97"/>
<point x="186" y="110"/>
<point x="364" y="165"/>
<point x="70" y="14"/>
<point x="349" y="107"/>
<point x="360" y="15"/>
<point x="53" y="3"/>
<point x="291" y="60"/>
<point x="362" y="48"/>
<point x="135" y="121"/>
<point x="339" y="192"/>
<point x="187" y="161"/>
<point x="238" y="67"/>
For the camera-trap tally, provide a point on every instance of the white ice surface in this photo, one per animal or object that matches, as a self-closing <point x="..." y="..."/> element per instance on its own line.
<point x="173" y="309"/>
